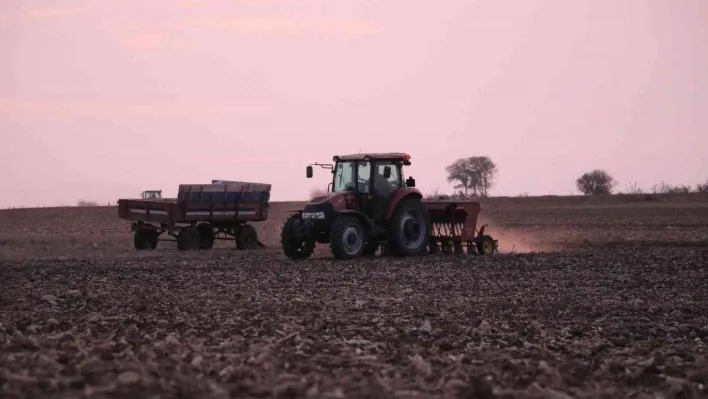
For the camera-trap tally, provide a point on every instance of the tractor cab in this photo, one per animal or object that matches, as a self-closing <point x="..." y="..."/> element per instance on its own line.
<point x="151" y="194"/>
<point x="369" y="181"/>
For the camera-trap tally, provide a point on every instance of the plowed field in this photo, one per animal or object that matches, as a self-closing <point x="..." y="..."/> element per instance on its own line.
<point x="586" y="300"/>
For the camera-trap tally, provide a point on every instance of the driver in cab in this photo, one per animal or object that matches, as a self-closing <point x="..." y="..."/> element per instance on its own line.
<point x="382" y="186"/>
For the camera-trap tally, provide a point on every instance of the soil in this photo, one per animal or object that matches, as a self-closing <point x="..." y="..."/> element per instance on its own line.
<point x="616" y="306"/>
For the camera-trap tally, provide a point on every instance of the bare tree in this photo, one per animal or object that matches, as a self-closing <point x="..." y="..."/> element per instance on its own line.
<point x="595" y="182"/>
<point x="475" y="174"/>
<point x="633" y="188"/>
<point x="458" y="171"/>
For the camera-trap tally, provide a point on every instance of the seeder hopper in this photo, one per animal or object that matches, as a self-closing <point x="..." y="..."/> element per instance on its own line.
<point x="370" y="207"/>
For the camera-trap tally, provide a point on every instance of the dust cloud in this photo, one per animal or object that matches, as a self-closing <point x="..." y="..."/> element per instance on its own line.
<point x="515" y="241"/>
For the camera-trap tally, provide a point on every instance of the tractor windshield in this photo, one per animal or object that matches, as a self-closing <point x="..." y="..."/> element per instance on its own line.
<point x="344" y="176"/>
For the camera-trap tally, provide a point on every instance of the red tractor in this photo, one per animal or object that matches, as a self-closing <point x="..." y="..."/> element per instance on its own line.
<point x="369" y="205"/>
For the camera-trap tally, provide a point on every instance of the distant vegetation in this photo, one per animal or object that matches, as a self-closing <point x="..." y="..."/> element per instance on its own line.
<point x="601" y="182"/>
<point x="702" y="188"/>
<point x="87" y="203"/>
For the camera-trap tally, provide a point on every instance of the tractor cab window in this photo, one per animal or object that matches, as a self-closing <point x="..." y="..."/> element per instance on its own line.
<point x="385" y="186"/>
<point x="344" y="177"/>
<point x="364" y="177"/>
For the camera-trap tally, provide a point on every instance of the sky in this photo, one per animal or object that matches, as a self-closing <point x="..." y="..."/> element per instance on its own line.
<point x="100" y="100"/>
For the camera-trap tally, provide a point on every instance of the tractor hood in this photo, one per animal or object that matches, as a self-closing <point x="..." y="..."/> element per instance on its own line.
<point x="326" y="207"/>
<point x="337" y="200"/>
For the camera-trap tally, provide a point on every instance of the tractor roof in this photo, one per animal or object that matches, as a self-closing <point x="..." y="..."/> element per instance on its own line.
<point x="385" y="156"/>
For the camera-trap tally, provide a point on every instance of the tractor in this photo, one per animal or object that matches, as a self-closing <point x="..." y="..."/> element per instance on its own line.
<point x="369" y="205"/>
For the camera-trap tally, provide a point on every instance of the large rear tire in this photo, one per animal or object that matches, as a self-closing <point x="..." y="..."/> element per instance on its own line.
<point x="145" y="239"/>
<point x="409" y="228"/>
<point x="247" y="238"/>
<point x="347" y="239"/>
<point x="293" y="246"/>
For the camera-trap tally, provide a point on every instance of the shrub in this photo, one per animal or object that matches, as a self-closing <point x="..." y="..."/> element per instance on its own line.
<point x="664" y="188"/>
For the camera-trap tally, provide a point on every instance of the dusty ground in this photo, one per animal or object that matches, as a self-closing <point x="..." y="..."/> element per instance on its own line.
<point x="617" y="309"/>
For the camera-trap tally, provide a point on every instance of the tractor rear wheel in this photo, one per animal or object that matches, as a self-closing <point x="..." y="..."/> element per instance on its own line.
<point x="347" y="238"/>
<point x="247" y="238"/>
<point x="145" y="239"/>
<point x="409" y="228"/>
<point x="206" y="236"/>
<point x="294" y="245"/>
<point x="485" y="245"/>
<point x="188" y="239"/>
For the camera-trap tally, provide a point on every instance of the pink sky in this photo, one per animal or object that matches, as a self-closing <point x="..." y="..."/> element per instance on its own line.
<point x="100" y="100"/>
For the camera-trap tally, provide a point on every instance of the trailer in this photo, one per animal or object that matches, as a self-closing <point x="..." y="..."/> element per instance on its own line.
<point x="200" y="215"/>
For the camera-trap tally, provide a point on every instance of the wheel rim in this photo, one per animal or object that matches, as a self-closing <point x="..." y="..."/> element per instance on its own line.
<point x="352" y="240"/>
<point x="487" y="246"/>
<point x="412" y="230"/>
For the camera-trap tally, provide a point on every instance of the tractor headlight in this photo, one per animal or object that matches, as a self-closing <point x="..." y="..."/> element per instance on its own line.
<point x="313" y="215"/>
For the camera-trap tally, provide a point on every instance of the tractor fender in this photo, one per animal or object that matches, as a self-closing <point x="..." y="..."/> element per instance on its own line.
<point x="368" y="223"/>
<point x="399" y="196"/>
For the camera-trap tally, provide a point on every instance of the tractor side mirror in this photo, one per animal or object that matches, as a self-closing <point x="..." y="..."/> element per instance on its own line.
<point x="410" y="182"/>
<point x="309" y="172"/>
<point x="387" y="172"/>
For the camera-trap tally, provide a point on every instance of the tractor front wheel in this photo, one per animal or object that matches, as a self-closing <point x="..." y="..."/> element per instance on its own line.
<point x="347" y="238"/>
<point x="409" y="228"/>
<point x="294" y="245"/>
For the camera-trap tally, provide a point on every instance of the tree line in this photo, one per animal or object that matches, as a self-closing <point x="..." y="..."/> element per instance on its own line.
<point x="598" y="182"/>
<point x="474" y="176"/>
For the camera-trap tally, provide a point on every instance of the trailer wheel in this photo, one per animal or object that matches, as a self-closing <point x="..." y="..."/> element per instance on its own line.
<point x="409" y="228"/>
<point x="485" y="245"/>
<point x="206" y="236"/>
<point x="188" y="239"/>
<point x="294" y="246"/>
<point x="247" y="238"/>
<point x="347" y="238"/>
<point x="145" y="239"/>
